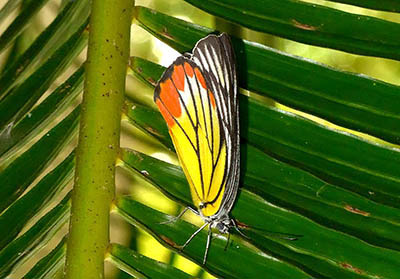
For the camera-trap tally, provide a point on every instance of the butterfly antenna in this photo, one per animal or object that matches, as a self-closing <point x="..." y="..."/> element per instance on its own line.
<point x="290" y="237"/>
<point x="208" y="244"/>
<point x="285" y="236"/>
<point x="238" y="230"/>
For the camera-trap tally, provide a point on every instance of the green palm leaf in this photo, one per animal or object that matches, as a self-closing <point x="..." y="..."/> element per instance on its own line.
<point x="337" y="193"/>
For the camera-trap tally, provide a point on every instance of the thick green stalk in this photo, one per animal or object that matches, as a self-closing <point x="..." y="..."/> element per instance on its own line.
<point x="94" y="188"/>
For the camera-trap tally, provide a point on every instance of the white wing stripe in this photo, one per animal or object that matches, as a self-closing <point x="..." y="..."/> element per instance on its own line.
<point x="214" y="56"/>
<point x="219" y="69"/>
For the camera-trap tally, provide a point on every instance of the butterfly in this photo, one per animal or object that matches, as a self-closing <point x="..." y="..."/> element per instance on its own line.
<point x="197" y="97"/>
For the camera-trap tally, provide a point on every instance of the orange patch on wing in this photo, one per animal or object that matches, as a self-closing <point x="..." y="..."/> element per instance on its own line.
<point x="212" y="99"/>
<point x="170" y="97"/>
<point x="200" y="77"/>
<point x="164" y="112"/>
<point x="178" y="76"/>
<point x="188" y="69"/>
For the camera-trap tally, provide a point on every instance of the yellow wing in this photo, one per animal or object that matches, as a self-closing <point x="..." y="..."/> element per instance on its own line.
<point x="202" y="119"/>
<point x="189" y="109"/>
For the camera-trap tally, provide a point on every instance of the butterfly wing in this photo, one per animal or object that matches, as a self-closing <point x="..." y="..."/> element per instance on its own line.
<point x="203" y="133"/>
<point x="215" y="57"/>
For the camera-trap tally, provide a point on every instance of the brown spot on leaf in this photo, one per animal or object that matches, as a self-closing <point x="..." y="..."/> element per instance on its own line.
<point x="152" y="81"/>
<point x="153" y="131"/>
<point x="240" y="224"/>
<point x="352" y="268"/>
<point x="166" y="34"/>
<point x="138" y="155"/>
<point x="356" y="210"/>
<point x="303" y="26"/>
<point x="20" y="69"/>
<point x="168" y="241"/>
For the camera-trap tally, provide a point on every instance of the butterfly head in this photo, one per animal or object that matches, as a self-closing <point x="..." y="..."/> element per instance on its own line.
<point x="222" y="225"/>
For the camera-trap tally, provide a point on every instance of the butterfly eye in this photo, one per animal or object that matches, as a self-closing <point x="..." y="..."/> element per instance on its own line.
<point x="222" y="227"/>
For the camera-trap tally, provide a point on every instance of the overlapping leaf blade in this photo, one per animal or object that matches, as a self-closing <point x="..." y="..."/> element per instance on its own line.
<point x="384" y="5"/>
<point x="20" y="22"/>
<point x="32" y="123"/>
<point x="9" y="7"/>
<point x="247" y="260"/>
<point x="140" y="266"/>
<point x="18" y="101"/>
<point x="35" y="238"/>
<point x="321" y="246"/>
<point x="340" y="158"/>
<point x="311" y="24"/>
<point x="50" y="265"/>
<point x="46" y="58"/>
<point x="322" y="202"/>
<point x="138" y="115"/>
<point x="27" y="206"/>
<point x="67" y="22"/>
<point x="294" y="189"/>
<point x="23" y="170"/>
<point x="331" y="220"/>
<point x="337" y="157"/>
<point x="350" y="100"/>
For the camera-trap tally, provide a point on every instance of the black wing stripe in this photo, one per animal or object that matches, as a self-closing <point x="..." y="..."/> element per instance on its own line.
<point x="226" y="97"/>
<point x="192" y="96"/>
<point x="219" y="68"/>
<point x="222" y="99"/>
<point x="197" y="138"/>
<point x="216" y="197"/>
<point x="234" y="178"/>
<point x="195" y="190"/>
<point x="177" y="122"/>
<point x="204" y="113"/>
<point x="195" y="127"/>
<point x="217" y="84"/>
<point x="212" y="80"/>
<point x="199" y="162"/>
<point x="183" y="103"/>
<point x="213" y="56"/>
<point x="216" y="92"/>
<point x="194" y="146"/>
<point x="212" y="128"/>
<point x="223" y="128"/>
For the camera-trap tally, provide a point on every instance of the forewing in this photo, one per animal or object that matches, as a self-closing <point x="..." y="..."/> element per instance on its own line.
<point x="190" y="110"/>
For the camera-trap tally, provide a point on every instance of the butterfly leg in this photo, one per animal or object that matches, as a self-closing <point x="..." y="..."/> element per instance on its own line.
<point x="227" y="241"/>
<point x="193" y="235"/>
<point x="174" y="219"/>
<point x="208" y="244"/>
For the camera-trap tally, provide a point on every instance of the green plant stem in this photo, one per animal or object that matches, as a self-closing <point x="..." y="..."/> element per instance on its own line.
<point x="94" y="188"/>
